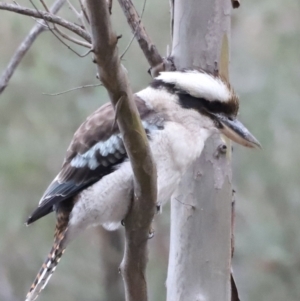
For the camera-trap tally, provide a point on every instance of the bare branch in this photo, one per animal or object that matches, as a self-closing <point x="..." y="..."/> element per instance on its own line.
<point x="138" y="221"/>
<point x="41" y="23"/>
<point x="71" y="39"/>
<point x="24" y="46"/>
<point x="63" y="35"/>
<point x="43" y="3"/>
<point x="84" y="13"/>
<point x="47" y="17"/>
<point x="129" y="44"/>
<point x="73" y="9"/>
<point x="150" y="51"/>
<point x="79" y="15"/>
<point x="49" y="27"/>
<point x="171" y="3"/>
<point x="55" y="29"/>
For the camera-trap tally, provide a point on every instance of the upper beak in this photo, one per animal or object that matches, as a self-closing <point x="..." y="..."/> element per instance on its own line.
<point x="236" y="131"/>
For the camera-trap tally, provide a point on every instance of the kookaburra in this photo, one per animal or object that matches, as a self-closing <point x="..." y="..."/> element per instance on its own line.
<point x="179" y="111"/>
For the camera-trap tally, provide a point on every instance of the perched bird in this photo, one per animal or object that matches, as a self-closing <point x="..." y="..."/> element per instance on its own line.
<point x="179" y="111"/>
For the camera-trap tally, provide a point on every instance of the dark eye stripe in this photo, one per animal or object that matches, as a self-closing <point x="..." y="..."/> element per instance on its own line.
<point x="226" y="108"/>
<point x="229" y="108"/>
<point x="187" y="101"/>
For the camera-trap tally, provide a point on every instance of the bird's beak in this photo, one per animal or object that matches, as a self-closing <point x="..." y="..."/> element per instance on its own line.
<point x="236" y="131"/>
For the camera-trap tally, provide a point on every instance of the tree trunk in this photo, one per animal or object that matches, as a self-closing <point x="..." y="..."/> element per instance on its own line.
<point x="112" y="248"/>
<point x="200" y="248"/>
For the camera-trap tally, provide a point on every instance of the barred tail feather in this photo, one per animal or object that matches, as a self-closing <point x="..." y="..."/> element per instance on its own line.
<point x="47" y="268"/>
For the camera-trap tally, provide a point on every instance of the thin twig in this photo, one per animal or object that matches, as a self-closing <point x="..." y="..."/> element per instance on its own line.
<point x="71" y="39"/>
<point x="79" y="15"/>
<point x="72" y="89"/>
<point x="42" y="23"/>
<point x="84" y="12"/>
<point x="52" y="30"/>
<point x="171" y="4"/>
<point x="150" y="51"/>
<point x="24" y="46"/>
<point x="65" y="36"/>
<point x="47" y="17"/>
<point x="74" y="10"/>
<point x="129" y="44"/>
<point x="88" y="52"/>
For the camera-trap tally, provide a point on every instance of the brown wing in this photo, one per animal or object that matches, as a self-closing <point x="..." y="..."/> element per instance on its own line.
<point x="95" y="151"/>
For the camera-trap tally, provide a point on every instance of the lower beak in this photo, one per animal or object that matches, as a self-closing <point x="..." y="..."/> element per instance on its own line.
<point x="236" y="131"/>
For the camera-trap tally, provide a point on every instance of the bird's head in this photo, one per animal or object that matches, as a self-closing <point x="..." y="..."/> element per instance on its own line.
<point x="212" y="97"/>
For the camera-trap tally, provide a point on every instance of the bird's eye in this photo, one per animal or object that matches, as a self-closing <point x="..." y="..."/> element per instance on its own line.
<point x="230" y="118"/>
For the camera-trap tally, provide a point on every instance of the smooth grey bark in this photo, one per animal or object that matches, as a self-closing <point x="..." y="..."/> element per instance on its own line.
<point x="200" y="247"/>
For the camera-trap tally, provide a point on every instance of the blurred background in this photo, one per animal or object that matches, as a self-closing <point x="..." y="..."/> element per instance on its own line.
<point x="35" y="130"/>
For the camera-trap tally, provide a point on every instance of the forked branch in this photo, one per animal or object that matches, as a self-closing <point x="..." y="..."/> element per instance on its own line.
<point x="138" y="221"/>
<point x="62" y="34"/>
<point x="150" y="51"/>
<point x="49" y="17"/>
<point x="25" y="45"/>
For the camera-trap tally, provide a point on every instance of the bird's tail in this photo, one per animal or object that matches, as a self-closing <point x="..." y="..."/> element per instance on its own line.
<point x="48" y="267"/>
